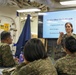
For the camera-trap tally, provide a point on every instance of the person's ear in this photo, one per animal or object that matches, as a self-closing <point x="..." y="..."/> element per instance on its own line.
<point x="7" y="39"/>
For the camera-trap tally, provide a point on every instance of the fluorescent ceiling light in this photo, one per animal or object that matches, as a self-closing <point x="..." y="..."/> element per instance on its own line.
<point x="41" y="13"/>
<point x="68" y="2"/>
<point x="29" y="10"/>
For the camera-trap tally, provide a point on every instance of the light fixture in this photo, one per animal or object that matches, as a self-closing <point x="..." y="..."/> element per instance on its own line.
<point x="41" y="13"/>
<point x="29" y="10"/>
<point x="26" y="17"/>
<point x="22" y="18"/>
<point x="68" y="2"/>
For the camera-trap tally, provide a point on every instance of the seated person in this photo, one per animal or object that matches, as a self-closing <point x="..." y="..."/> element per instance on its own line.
<point x="6" y="58"/>
<point x="36" y="60"/>
<point x="67" y="64"/>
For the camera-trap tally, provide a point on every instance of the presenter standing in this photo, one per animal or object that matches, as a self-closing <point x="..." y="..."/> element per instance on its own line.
<point x="69" y="32"/>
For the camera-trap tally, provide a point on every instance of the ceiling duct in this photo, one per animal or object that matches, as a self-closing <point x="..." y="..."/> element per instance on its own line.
<point x="31" y="3"/>
<point x="3" y="2"/>
<point x="7" y="3"/>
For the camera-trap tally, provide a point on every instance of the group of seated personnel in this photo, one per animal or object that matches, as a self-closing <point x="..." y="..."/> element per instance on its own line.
<point x="36" y="60"/>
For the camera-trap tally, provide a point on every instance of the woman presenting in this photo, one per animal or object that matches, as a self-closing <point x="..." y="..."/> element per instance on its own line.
<point x="69" y="32"/>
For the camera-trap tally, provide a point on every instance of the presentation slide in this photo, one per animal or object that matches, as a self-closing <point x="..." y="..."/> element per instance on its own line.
<point x="54" y="22"/>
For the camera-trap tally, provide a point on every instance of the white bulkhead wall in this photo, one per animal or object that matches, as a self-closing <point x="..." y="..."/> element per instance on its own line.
<point x="11" y="12"/>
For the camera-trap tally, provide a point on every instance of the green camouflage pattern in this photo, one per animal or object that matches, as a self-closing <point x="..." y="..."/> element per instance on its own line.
<point x="6" y="58"/>
<point x="66" y="65"/>
<point x="37" y="67"/>
<point x="64" y="37"/>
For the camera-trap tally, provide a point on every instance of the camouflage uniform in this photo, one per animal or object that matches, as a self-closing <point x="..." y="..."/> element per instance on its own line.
<point x="66" y="65"/>
<point x="37" y="67"/>
<point x="63" y="38"/>
<point x="6" y="58"/>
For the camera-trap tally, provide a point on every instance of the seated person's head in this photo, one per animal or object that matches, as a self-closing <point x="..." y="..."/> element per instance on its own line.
<point x="70" y="44"/>
<point x="6" y="37"/>
<point x="34" y="50"/>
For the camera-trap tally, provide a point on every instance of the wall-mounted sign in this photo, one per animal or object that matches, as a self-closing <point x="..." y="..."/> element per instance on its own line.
<point x="5" y="26"/>
<point x="6" y="23"/>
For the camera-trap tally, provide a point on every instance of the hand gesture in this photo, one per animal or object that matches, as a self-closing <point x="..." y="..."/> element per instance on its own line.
<point x="61" y="34"/>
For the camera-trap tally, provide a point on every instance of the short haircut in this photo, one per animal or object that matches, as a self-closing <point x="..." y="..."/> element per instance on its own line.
<point x="70" y="44"/>
<point x="5" y="35"/>
<point x="34" y="50"/>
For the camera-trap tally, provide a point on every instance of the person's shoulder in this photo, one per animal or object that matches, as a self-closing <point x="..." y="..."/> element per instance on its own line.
<point x="41" y="62"/>
<point x="19" y="66"/>
<point x="74" y="34"/>
<point x="61" y="60"/>
<point x="27" y="69"/>
<point x="3" y="44"/>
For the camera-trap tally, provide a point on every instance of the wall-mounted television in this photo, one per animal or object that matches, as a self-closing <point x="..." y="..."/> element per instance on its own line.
<point x="54" y="22"/>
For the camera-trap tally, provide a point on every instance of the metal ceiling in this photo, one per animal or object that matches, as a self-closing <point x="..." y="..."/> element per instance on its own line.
<point x="44" y="5"/>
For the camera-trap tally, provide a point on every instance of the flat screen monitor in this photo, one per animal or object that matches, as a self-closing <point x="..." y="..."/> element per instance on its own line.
<point x="54" y="22"/>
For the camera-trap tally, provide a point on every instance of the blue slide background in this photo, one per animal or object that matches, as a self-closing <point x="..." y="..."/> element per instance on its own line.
<point x="54" y="22"/>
